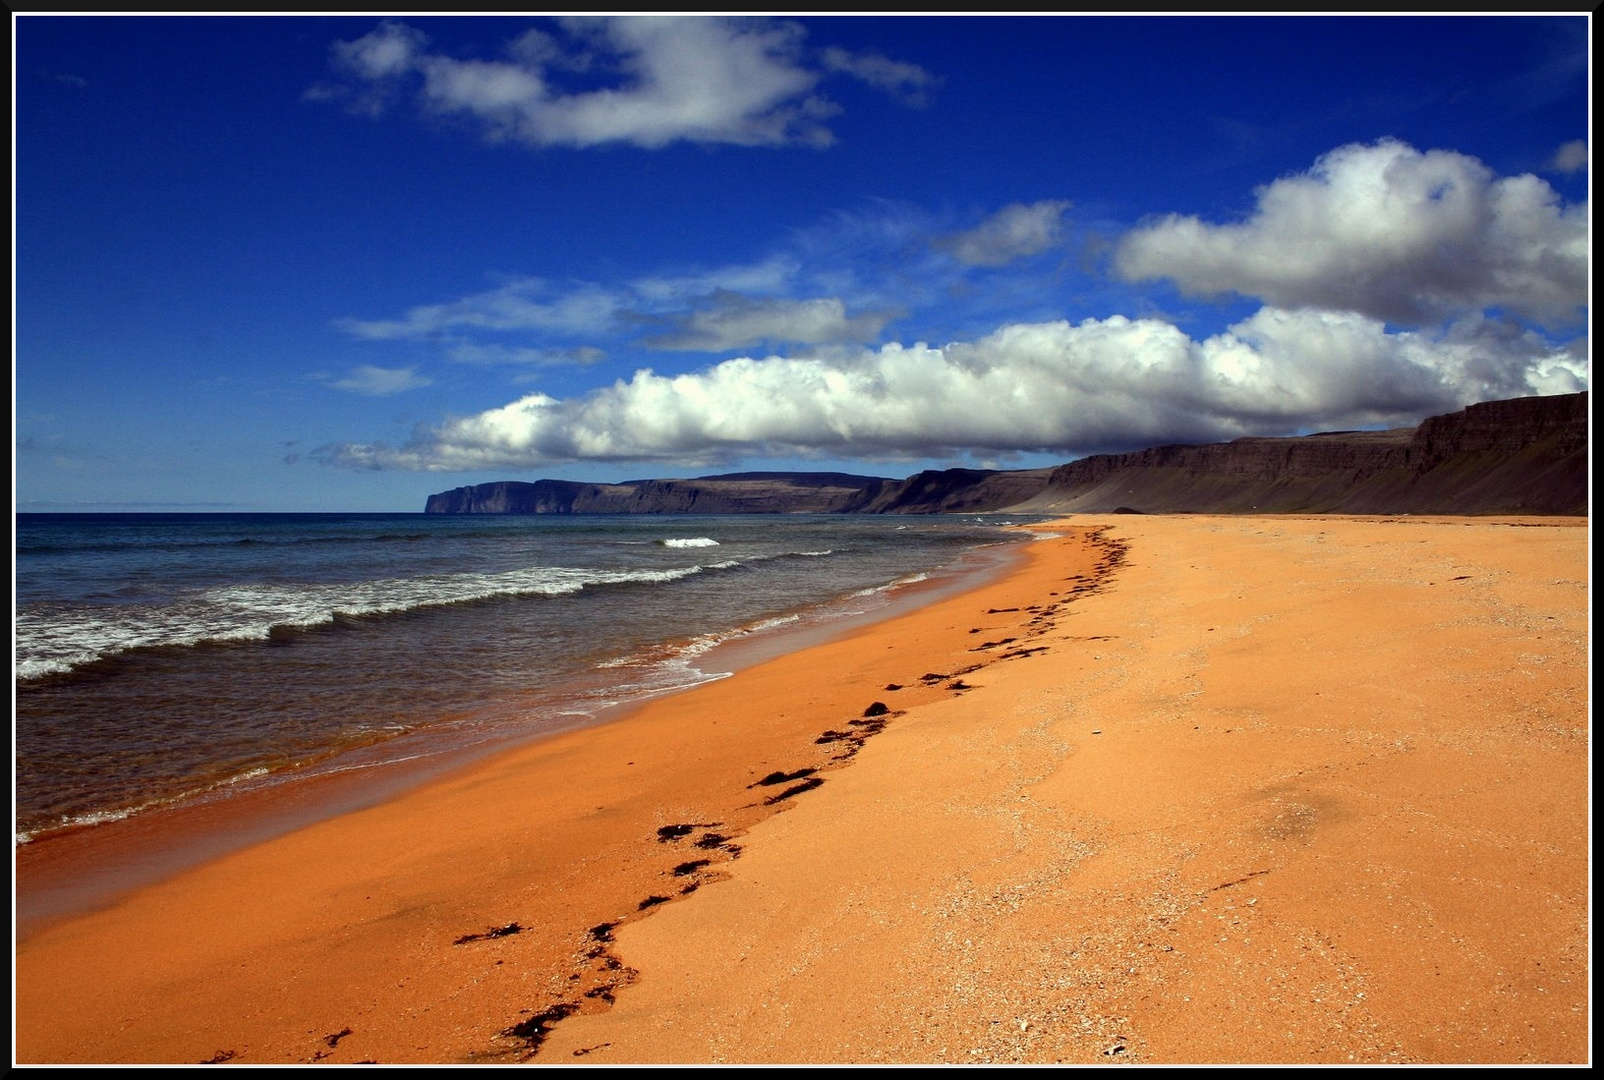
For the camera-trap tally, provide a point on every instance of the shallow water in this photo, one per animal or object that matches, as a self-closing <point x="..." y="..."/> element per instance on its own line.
<point x="165" y="658"/>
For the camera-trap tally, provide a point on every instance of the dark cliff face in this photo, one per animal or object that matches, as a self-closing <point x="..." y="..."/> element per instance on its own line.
<point x="956" y="491"/>
<point x="1526" y="455"/>
<point x="739" y="493"/>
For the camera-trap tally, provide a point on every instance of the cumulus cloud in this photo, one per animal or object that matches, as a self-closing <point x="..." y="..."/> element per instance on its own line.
<point x="733" y="321"/>
<point x="1014" y="232"/>
<point x="1572" y="157"/>
<point x="1073" y="388"/>
<point x="378" y="381"/>
<point x="1387" y="231"/>
<point x="666" y="79"/>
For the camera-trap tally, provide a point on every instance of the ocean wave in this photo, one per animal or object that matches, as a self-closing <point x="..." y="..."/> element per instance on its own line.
<point x="679" y="655"/>
<point x="103" y="817"/>
<point x="689" y="542"/>
<point x="34" y="545"/>
<point x="56" y="640"/>
<point x="904" y="580"/>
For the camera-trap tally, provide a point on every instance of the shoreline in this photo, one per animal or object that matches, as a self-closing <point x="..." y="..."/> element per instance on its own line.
<point x="1033" y="811"/>
<point x="109" y="944"/>
<point x="80" y="868"/>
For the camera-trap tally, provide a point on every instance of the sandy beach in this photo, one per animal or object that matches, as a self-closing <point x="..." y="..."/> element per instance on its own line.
<point x="1176" y="789"/>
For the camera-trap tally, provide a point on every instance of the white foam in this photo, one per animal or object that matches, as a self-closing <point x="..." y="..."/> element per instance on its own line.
<point x="57" y="642"/>
<point x="691" y="542"/>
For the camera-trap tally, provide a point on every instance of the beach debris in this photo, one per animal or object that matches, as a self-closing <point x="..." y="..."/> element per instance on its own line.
<point x="534" y="1030"/>
<point x="332" y="1041"/>
<point x="652" y="901"/>
<point x="583" y="1050"/>
<point x="712" y="840"/>
<point x="782" y="777"/>
<point x="1116" y="1049"/>
<point x="677" y="832"/>
<point x="879" y="708"/>
<point x="796" y="789"/>
<point x="1240" y="880"/>
<point x="893" y="686"/>
<point x="691" y="867"/>
<point x="219" y="1057"/>
<point x="959" y="684"/>
<point x="603" y="932"/>
<point x="494" y="932"/>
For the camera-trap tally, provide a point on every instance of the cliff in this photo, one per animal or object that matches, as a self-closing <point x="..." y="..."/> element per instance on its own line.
<point x="736" y="493"/>
<point x="1525" y="455"/>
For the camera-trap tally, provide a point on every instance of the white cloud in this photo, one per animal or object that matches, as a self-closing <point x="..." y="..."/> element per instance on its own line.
<point x="1387" y="231"/>
<point x="1071" y="388"/>
<point x="732" y="321"/>
<point x="518" y="305"/>
<point x="668" y="79"/>
<point x="468" y="352"/>
<point x="720" y="316"/>
<point x="378" y="381"/>
<point x="1572" y="157"/>
<point x="392" y="49"/>
<point x="909" y="82"/>
<point x="773" y="275"/>
<point x="1014" y="232"/>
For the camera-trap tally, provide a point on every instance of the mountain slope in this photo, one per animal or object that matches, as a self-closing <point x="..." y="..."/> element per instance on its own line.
<point x="1524" y="455"/>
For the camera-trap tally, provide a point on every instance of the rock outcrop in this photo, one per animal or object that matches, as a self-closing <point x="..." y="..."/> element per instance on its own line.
<point x="1525" y="455"/>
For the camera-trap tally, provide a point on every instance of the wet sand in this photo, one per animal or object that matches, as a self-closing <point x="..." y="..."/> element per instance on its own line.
<point x="1177" y="789"/>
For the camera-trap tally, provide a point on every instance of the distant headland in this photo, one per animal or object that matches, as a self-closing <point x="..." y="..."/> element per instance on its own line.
<point x="1523" y="455"/>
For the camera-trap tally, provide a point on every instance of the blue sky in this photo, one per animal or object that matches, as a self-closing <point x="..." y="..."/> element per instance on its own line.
<point x="339" y="263"/>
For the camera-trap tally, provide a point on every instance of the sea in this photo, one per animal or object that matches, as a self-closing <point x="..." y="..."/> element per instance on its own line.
<point x="169" y="659"/>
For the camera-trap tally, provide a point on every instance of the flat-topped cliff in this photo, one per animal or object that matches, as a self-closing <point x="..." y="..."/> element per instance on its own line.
<point x="735" y="493"/>
<point x="1524" y="455"/>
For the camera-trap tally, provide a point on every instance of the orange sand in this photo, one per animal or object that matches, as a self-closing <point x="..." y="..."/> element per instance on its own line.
<point x="1239" y="789"/>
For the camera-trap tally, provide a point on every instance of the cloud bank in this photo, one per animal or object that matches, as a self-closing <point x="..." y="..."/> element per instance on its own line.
<point x="668" y="79"/>
<point x="1395" y="283"/>
<point x="1102" y="384"/>
<point x="1387" y="231"/>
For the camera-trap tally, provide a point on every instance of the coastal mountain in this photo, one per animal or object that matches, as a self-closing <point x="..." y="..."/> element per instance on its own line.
<point x="1525" y="455"/>
<point x="736" y="493"/>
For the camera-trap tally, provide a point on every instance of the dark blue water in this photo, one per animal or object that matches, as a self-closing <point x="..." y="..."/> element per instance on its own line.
<point x="161" y="658"/>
